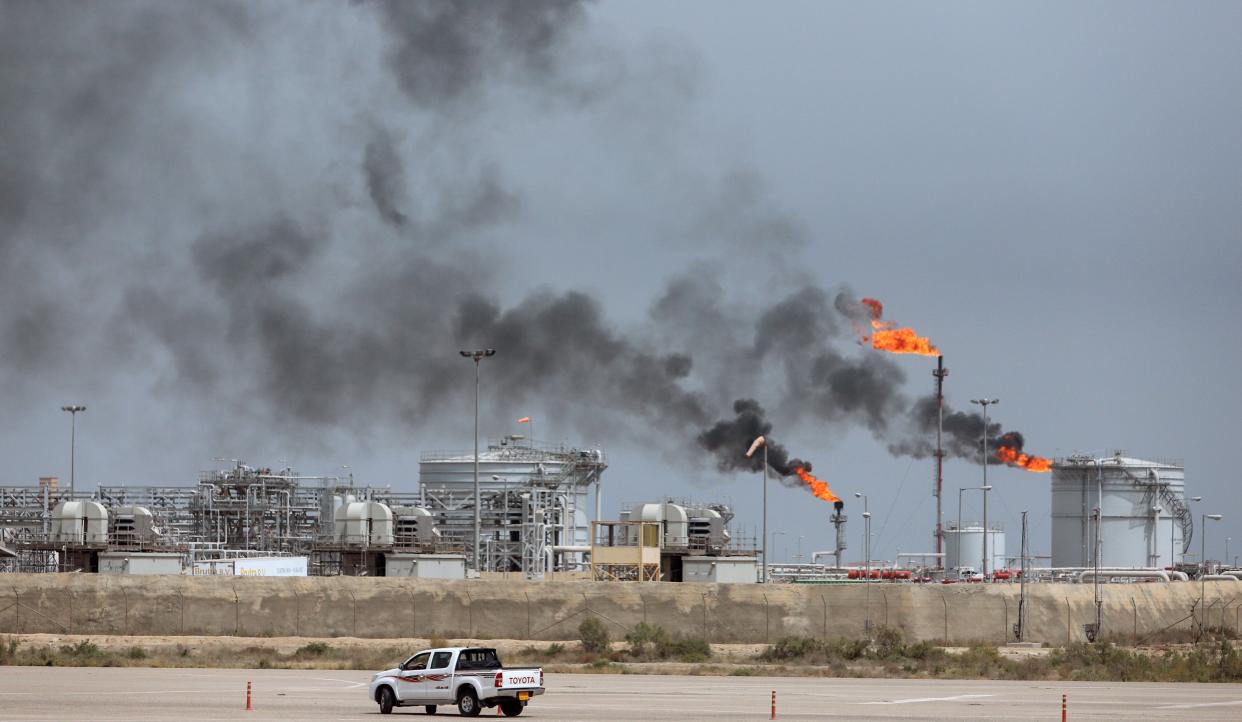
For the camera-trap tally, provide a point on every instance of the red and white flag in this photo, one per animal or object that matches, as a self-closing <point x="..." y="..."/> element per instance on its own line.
<point x="524" y="420"/>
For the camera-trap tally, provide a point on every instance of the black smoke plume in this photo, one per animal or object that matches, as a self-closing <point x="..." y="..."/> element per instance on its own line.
<point x="962" y="438"/>
<point x="729" y="439"/>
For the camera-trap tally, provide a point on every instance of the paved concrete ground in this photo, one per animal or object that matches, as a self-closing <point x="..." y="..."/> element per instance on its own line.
<point x="69" y="693"/>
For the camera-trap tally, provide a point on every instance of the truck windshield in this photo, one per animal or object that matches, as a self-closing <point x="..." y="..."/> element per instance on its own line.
<point x="474" y="659"/>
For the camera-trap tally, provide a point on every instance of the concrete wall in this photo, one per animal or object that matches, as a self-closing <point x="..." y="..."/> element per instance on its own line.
<point x="387" y="607"/>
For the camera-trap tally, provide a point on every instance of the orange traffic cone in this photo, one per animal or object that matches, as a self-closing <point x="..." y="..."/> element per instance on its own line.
<point x="249" y="708"/>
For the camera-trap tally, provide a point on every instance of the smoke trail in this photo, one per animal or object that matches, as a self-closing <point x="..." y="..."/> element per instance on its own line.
<point x="963" y="434"/>
<point x="728" y="440"/>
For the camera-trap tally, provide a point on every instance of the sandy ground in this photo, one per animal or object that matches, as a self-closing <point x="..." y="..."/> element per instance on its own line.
<point x="114" y="694"/>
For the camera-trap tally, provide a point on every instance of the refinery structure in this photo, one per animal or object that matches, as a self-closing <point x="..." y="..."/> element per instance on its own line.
<point x="541" y="513"/>
<point x="520" y="507"/>
<point x="537" y="505"/>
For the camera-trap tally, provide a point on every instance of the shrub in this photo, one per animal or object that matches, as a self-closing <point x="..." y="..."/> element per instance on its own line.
<point x="8" y="649"/>
<point x="594" y="635"/>
<point x="555" y="649"/>
<point x="81" y="650"/>
<point x="136" y="653"/>
<point x="642" y="635"/>
<point x="314" y="649"/>
<point x="687" y="649"/>
<point x="888" y="643"/>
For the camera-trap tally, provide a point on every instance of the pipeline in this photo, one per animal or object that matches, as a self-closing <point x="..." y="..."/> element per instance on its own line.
<point x="1163" y="575"/>
<point x="1220" y="578"/>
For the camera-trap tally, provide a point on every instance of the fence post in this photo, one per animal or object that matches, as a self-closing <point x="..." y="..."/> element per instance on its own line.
<point x="125" y="600"/>
<point x="527" y="595"/>
<point x="1005" y="627"/>
<point x="1067" y="621"/>
<point x="945" y="602"/>
<point x="824" y="600"/>
<point x="767" y="636"/>
<point x="414" y="614"/>
<point x="236" y="611"/>
<point x="706" y="635"/>
<point x="297" y="611"/>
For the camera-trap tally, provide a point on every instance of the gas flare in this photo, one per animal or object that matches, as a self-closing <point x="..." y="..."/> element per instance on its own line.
<point x="1013" y="457"/>
<point x="818" y="487"/>
<point x="887" y="337"/>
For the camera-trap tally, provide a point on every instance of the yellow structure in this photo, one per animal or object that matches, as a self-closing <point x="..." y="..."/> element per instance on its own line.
<point x="625" y="551"/>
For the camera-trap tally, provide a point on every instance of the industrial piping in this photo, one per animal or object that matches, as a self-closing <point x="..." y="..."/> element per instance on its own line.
<point x="1090" y="573"/>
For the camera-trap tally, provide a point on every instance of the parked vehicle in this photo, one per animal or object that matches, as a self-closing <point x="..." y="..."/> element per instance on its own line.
<point x="470" y="677"/>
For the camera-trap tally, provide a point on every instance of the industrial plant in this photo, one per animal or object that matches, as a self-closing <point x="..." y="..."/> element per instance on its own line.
<point x="535" y="516"/>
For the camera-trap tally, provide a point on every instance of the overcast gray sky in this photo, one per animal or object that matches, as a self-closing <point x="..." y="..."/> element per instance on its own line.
<point x="262" y="232"/>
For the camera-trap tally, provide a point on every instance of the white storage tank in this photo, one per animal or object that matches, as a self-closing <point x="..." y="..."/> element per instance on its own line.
<point x="363" y="523"/>
<point x="79" y="522"/>
<point x="964" y="547"/>
<point x="1145" y="521"/>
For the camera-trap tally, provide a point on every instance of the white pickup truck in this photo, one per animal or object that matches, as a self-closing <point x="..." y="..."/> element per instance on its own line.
<point x="470" y="677"/>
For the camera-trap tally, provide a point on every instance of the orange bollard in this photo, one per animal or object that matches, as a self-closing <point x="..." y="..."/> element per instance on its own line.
<point x="249" y="708"/>
<point x="1063" y="709"/>
<point x="773" y="705"/>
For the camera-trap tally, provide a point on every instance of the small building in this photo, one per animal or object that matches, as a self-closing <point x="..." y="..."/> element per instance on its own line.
<point x="425" y="566"/>
<point x="252" y="567"/>
<point x="139" y="563"/>
<point x="722" y="569"/>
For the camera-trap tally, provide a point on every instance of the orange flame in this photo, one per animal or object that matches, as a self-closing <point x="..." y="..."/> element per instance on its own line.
<point x="887" y="337"/>
<point x="1013" y="457"/>
<point x="818" y="487"/>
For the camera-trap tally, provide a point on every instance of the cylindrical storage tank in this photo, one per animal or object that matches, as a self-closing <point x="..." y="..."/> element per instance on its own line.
<point x="1140" y="502"/>
<point x="964" y="547"/>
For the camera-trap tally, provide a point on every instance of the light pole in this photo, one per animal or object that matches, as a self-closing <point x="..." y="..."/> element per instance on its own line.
<point x="773" y="540"/>
<point x="477" y="356"/>
<point x="867" y="553"/>
<point x="762" y="442"/>
<point x="1227" y="540"/>
<point x="1096" y="579"/>
<point x="73" y="432"/>
<point x="985" y="402"/>
<point x="985" y="490"/>
<point x="1021" y="627"/>
<point x="1203" y="564"/>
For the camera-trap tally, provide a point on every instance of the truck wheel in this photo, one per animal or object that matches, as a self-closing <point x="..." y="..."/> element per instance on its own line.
<point x="511" y="707"/>
<point x="468" y="704"/>
<point x="386" y="700"/>
<point x="431" y="708"/>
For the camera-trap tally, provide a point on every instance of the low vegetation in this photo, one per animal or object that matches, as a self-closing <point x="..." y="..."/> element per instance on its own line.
<point x="649" y="649"/>
<point x="314" y="655"/>
<point x="888" y="655"/>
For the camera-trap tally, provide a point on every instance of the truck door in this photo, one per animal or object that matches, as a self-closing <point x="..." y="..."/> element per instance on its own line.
<point x="410" y="681"/>
<point x="439" y="678"/>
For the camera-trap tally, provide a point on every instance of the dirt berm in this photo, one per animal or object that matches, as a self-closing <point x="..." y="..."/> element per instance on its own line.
<point x="552" y="610"/>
